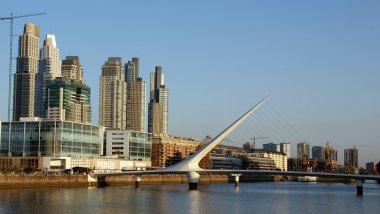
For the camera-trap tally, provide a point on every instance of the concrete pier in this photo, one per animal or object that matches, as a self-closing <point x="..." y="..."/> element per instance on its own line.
<point x="92" y="181"/>
<point x="236" y="179"/>
<point x="138" y="181"/>
<point x="193" y="180"/>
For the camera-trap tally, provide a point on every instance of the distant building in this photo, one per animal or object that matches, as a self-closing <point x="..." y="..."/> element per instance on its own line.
<point x="256" y="159"/>
<point x="158" y="105"/>
<point x="334" y="155"/>
<point x="248" y="146"/>
<point x="229" y="150"/>
<point x="371" y="167"/>
<point x="258" y="163"/>
<point x="301" y="148"/>
<point x="127" y="144"/>
<point x="112" y="94"/>
<point x="280" y="159"/>
<point x="318" y="152"/>
<point x="26" y="69"/>
<point x="295" y="164"/>
<point x="273" y="147"/>
<point x="218" y="161"/>
<point x="135" y="98"/>
<point x="351" y="157"/>
<point x="285" y="148"/>
<point x="169" y="150"/>
<point x="49" y="68"/>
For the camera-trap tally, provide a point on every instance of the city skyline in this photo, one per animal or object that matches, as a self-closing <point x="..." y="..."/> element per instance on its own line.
<point x="321" y="70"/>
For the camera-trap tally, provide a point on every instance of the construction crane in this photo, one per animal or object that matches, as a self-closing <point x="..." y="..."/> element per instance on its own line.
<point x="205" y="162"/>
<point x="305" y="161"/>
<point x="10" y="18"/>
<point x="204" y="141"/>
<point x="254" y="140"/>
<point x="328" y="157"/>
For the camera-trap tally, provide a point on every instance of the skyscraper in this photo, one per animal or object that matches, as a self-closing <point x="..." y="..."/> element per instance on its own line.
<point x="136" y="96"/>
<point x="303" y="149"/>
<point x="49" y="68"/>
<point x="69" y="100"/>
<point x="285" y="148"/>
<point x="24" y="79"/>
<point x="158" y="105"/>
<point x="351" y="157"/>
<point x="318" y="152"/>
<point x="68" y="97"/>
<point x="112" y="94"/>
<point x="273" y="147"/>
<point x="72" y="69"/>
<point x="334" y="154"/>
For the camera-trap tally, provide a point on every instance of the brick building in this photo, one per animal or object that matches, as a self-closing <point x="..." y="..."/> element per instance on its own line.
<point x="169" y="150"/>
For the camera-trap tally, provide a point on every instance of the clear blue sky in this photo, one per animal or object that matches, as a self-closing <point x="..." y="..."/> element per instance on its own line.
<point x="319" y="60"/>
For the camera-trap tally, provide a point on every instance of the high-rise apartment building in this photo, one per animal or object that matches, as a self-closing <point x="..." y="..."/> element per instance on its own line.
<point x="318" y="152"/>
<point x="112" y="94"/>
<point x="68" y="98"/>
<point x="351" y="157"/>
<point x="334" y="154"/>
<point x="136" y="96"/>
<point x="49" y="68"/>
<point x="72" y="69"/>
<point x="303" y="149"/>
<point x="24" y="79"/>
<point x="158" y="105"/>
<point x="273" y="147"/>
<point x="285" y="148"/>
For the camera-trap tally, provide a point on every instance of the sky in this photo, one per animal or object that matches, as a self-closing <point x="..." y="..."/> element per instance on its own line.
<point x="318" y="60"/>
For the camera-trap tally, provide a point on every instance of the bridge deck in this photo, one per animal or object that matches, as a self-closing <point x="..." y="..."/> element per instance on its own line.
<point x="246" y="172"/>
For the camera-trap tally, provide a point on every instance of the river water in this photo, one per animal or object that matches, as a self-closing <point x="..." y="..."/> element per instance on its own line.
<point x="286" y="197"/>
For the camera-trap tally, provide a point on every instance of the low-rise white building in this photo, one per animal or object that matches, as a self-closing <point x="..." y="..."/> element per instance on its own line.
<point x="129" y="145"/>
<point x="280" y="159"/>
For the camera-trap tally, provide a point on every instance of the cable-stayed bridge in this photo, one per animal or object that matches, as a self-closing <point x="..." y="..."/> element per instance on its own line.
<point x="190" y="165"/>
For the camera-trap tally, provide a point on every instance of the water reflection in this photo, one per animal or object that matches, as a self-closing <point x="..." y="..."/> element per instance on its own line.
<point x="217" y="198"/>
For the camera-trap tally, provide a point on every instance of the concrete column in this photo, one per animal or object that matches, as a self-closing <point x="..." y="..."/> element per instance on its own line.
<point x="236" y="179"/>
<point x="92" y="181"/>
<point x="193" y="180"/>
<point x="359" y="187"/>
<point x="138" y="181"/>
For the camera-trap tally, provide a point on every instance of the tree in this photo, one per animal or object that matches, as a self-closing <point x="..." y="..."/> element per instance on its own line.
<point x="378" y="168"/>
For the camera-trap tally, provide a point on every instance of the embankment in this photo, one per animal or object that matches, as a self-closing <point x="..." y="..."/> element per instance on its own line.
<point x="65" y="180"/>
<point x="41" y="180"/>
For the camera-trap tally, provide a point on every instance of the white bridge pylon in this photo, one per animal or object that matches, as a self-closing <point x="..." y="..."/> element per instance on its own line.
<point x="191" y="164"/>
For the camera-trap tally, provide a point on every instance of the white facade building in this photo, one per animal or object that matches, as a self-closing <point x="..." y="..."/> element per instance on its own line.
<point x="129" y="145"/>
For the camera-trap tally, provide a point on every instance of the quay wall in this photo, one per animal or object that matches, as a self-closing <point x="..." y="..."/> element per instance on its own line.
<point x="42" y="180"/>
<point x="67" y="180"/>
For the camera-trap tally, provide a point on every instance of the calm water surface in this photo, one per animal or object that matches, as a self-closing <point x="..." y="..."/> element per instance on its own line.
<point x="215" y="198"/>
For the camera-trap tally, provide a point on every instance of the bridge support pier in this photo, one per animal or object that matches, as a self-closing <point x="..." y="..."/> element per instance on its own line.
<point x="138" y="181"/>
<point x="92" y="181"/>
<point x="359" y="187"/>
<point x="236" y="179"/>
<point x="193" y="180"/>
